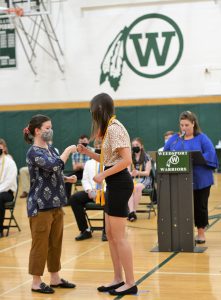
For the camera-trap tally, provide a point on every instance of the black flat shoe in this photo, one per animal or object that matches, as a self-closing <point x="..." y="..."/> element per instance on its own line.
<point x="111" y="287"/>
<point x="132" y="217"/>
<point x="44" y="289"/>
<point x="64" y="284"/>
<point x="131" y="291"/>
<point x="200" y="241"/>
<point x="83" y="236"/>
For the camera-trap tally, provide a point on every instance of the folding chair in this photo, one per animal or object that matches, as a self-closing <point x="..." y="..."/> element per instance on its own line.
<point x="151" y="193"/>
<point x="10" y="206"/>
<point x="92" y="206"/>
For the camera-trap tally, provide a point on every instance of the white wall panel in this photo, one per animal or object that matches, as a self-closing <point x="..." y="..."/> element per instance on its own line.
<point x="85" y="35"/>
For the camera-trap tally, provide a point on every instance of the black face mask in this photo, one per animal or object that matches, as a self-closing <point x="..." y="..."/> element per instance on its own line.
<point x="84" y="144"/>
<point x="1" y="151"/>
<point x="136" y="149"/>
<point x="98" y="151"/>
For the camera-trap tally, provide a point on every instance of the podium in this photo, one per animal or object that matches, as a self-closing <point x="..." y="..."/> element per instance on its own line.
<point x="175" y="201"/>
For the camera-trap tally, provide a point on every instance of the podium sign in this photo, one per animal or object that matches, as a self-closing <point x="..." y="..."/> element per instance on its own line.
<point x="173" y="162"/>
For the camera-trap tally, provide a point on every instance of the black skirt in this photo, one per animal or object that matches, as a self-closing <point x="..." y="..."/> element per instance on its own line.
<point x="118" y="192"/>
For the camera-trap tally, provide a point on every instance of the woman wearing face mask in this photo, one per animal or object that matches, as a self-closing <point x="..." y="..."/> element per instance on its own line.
<point x="191" y="138"/>
<point x="44" y="203"/>
<point x="141" y="167"/>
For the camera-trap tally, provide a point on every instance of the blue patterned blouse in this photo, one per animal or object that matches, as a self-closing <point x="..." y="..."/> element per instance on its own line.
<point x="47" y="189"/>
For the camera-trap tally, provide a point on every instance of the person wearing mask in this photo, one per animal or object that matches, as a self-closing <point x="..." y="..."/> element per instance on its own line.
<point x="140" y="171"/>
<point x="78" y="163"/>
<point x="167" y="135"/>
<point x="191" y="138"/>
<point x="116" y="157"/>
<point x="44" y="204"/>
<point x="8" y="181"/>
<point x="79" y="199"/>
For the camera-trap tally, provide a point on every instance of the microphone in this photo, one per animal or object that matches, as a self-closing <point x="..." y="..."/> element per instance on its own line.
<point x="183" y="134"/>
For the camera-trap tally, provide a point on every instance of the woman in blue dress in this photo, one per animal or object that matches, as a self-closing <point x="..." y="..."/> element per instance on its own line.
<point x="191" y="138"/>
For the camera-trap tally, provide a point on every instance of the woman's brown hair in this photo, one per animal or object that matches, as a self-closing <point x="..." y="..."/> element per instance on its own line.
<point x="102" y="109"/>
<point x="188" y="115"/>
<point x="35" y="122"/>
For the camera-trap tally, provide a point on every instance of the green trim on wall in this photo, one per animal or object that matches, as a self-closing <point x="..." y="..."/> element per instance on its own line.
<point x="147" y="122"/>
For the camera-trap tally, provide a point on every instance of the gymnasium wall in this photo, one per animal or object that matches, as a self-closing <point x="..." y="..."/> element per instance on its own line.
<point x="178" y="68"/>
<point x="87" y="29"/>
<point x="147" y="122"/>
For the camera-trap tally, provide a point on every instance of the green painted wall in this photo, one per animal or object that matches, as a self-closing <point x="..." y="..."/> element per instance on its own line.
<point x="147" y="122"/>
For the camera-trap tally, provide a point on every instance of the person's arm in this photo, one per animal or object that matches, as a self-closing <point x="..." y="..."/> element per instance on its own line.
<point x="88" y="152"/>
<point x="147" y="170"/>
<point x="47" y="162"/>
<point x="126" y="160"/>
<point x="209" y="152"/>
<point x="65" y="155"/>
<point x="70" y="179"/>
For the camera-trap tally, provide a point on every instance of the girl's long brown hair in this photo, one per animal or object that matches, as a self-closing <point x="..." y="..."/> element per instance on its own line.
<point x="102" y="109"/>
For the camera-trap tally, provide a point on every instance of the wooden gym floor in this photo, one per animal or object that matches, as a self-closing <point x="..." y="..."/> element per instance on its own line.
<point x="164" y="276"/>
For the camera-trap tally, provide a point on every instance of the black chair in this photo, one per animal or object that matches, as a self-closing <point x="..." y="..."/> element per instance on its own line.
<point x="92" y="206"/>
<point x="10" y="206"/>
<point x="151" y="193"/>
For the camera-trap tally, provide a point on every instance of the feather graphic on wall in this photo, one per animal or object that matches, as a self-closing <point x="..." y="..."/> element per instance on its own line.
<point x="112" y="64"/>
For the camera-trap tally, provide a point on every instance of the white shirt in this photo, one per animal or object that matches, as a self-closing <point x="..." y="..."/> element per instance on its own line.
<point x="8" y="180"/>
<point x="90" y="170"/>
<point x="160" y="149"/>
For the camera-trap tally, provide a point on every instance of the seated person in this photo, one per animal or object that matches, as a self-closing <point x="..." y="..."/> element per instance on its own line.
<point x="8" y="181"/>
<point x="78" y="162"/>
<point x="140" y="171"/>
<point x="79" y="199"/>
<point x="5" y="148"/>
<point x="167" y="135"/>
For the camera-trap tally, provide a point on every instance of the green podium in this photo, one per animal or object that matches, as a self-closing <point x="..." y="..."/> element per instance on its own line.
<point x="175" y="201"/>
